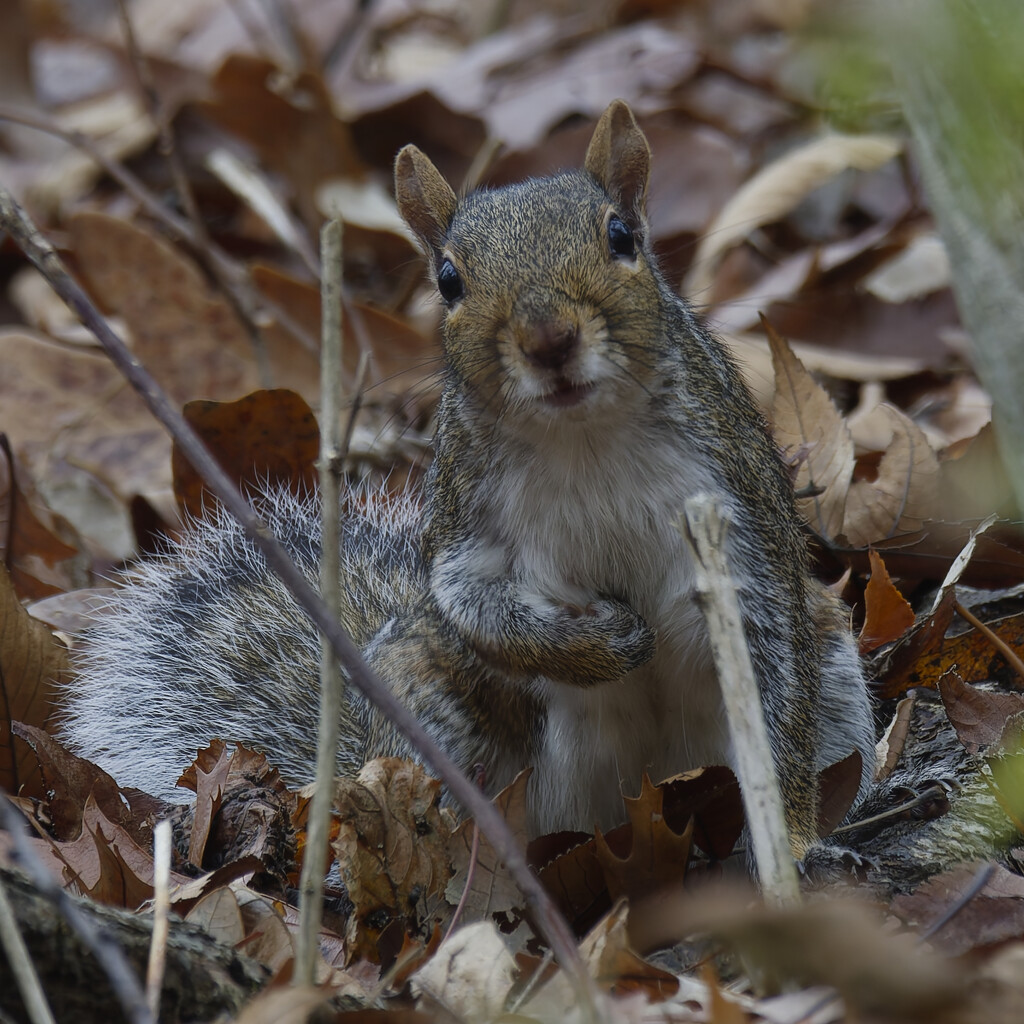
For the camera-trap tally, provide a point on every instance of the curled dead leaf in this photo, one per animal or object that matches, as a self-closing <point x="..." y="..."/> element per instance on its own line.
<point x="904" y="496"/>
<point x="777" y="189"/>
<point x="806" y="420"/>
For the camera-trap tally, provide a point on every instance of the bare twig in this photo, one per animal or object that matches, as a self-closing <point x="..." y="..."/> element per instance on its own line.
<point x="161" y="908"/>
<point x="893" y="812"/>
<point x="232" y="278"/>
<point x="980" y="880"/>
<point x="1011" y="656"/>
<point x="549" y="921"/>
<point x="14" y="948"/>
<point x="158" y="112"/>
<point x="331" y="686"/>
<point x="704" y="529"/>
<point x="253" y="189"/>
<point x="119" y="972"/>
<point x="356" y="404"/>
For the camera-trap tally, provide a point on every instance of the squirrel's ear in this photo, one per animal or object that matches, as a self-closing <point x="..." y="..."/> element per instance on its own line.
<point x="619" y="158"/>
<point x="425" y="200"/>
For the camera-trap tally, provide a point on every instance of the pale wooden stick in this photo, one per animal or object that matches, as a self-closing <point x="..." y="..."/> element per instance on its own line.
<point x="331" y="684"/>
<point x="704" y="529"/>
<point x="161" y="908"/>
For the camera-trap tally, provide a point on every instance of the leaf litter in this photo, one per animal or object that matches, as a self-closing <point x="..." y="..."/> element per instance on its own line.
<point x="884" y="428"/>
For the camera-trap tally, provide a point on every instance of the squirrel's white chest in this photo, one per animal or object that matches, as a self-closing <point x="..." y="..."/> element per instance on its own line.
<point x="605" y="525"/>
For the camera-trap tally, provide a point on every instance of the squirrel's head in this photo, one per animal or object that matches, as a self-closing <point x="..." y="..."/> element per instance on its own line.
<point x="550" y="296"/>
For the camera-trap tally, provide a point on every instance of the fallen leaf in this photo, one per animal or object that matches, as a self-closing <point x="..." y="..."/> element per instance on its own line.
<point x="979" y="716"/>
<point x="289" y="120"/>
<point x="469" y="976"/>
<point x="658" y="856"/>
<point x="186" y="334"/>
<point x="930" y="654"/>
<point x="904" y="496"/>
<point x="887" y="613"/>
<point x="776" y="189"/>
<point x="889" y="748"/>
<point x="484" y="887"/>
<point x="71" y="781"/>
<point x="805" y="419"/>
<point x="921" y="268"/>
<point x="994" y="914"/>
<point x="33" y="665"/>
<point x="40" y="549"/>
<point x="267" y="439"/>
<point x="392" y="849"/>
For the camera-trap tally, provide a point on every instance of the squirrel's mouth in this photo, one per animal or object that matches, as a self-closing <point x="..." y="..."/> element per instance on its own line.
<point x="566" y="394"/>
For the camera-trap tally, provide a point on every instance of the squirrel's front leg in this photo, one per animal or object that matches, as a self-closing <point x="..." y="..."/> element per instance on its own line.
<point x="521" y="631"/>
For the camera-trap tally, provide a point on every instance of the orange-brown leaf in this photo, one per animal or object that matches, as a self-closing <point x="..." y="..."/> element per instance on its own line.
<point x="267" y="437"/>
<point x="887" y="614"/>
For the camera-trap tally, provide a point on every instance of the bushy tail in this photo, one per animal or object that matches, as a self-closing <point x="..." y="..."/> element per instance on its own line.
<point x="204" y="641"/>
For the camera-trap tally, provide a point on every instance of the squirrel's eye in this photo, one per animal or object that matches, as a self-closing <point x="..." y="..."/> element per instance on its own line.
<point x="449" y="284"/>
<point x="620" y="238"/>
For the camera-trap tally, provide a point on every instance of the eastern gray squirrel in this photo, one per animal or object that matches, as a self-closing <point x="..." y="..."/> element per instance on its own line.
<point x="534" y="605"/>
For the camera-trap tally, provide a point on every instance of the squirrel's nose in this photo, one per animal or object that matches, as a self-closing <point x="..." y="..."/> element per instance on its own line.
<point x="550" y="345"/>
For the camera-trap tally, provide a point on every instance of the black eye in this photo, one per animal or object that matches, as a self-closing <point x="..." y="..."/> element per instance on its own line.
<point x="449" y="284"/>
<point x="620" y="238"/>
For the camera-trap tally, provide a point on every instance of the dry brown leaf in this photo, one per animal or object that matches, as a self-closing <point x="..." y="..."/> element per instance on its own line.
<point x="265" y="440"/>
<point x="267" y="937"/>
<point x="889" y="748"/>
<point x="400" y="356"/>
<point x="887" y="613"/>
<point x="289" y="121"/>
<point x="710" y="796"/>
<point x="40" y="549"/>
<point x="721" y="1010"/>
<point x="806" y="422"/>
<point x="105" y="863"/>
<point x="469" y="976"/>
<point x="185" y="333"/>
<point x="994" y="914"/>
<point x="904" y="497"/>
<point x="980" y="717"/>
<point x="776" y="189"/>
<point x="32" y="660"/>
<point x="206" y="777"/>
<point x="610" y="960"/>
<point x="658" y="856"/>
<point x="72" y="780"/>
<point x="487" y="886"/>
<point x="70" y="405"/>
<point x="286" y="1005"/>
<point x="392" y="849"/>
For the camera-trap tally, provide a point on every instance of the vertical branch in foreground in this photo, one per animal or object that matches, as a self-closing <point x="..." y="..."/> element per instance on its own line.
<point x="704" y="528"/>
<point x="331" y="685"/>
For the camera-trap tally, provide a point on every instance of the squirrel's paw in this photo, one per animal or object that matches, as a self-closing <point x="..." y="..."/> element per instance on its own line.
<point x="624" y="631"/>
<point x="825" y="864"/>
<point x="605" y="639"/>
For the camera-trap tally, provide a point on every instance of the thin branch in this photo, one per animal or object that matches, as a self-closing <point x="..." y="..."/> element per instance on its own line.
<point x="550" y="923"/>
<point x="158" y="112"/>
<point x="1011" y="656"/>
<point x="13" y="945"/>
<point x="704" y="528"/>
<point x="980" y="880"/>
<point x="119" y="972"/>
<point x="331" y="686"/>
<point x="161" y="909"/>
